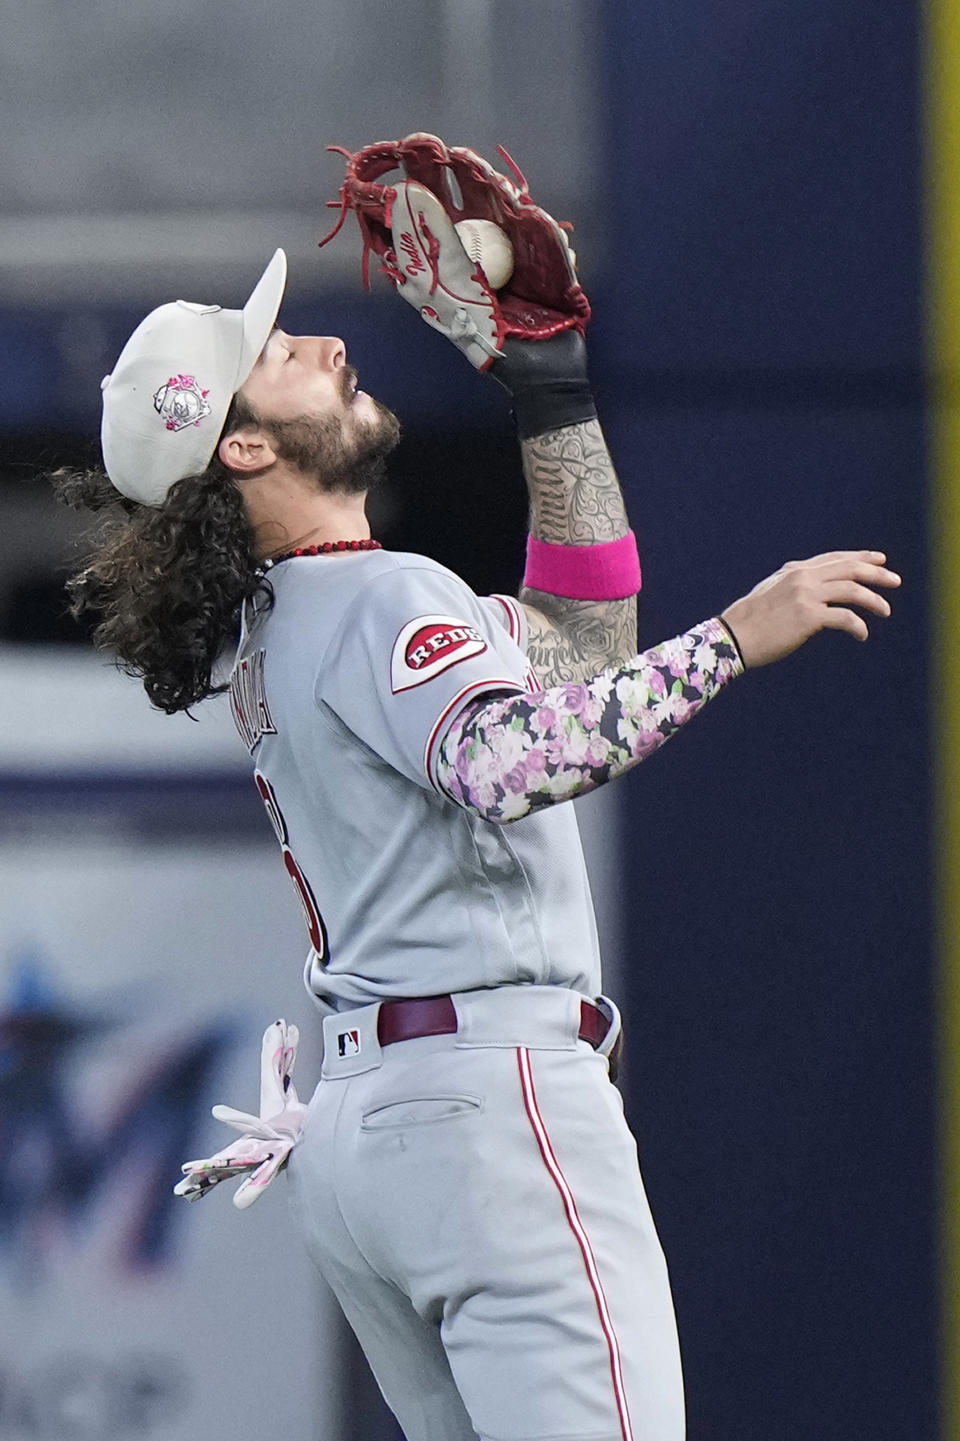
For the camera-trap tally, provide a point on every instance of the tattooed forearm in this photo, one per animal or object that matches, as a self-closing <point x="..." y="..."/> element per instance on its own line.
<point x="575" y="497"/>
<point x="571" y="640"/>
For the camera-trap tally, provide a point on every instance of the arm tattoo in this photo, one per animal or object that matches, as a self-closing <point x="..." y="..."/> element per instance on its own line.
<point x="570" y="640"/>
<point x="575" y="499"/>
<point x="503" y="758"/>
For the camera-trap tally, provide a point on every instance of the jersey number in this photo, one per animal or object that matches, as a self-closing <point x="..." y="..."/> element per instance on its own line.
<point x="311" y="914"/>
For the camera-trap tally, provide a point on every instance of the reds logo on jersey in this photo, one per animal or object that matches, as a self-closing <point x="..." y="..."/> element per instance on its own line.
<point x="431" y="644"/>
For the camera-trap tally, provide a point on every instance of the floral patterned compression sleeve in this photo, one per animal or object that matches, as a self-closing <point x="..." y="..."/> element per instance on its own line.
<point x="503" y="758"/>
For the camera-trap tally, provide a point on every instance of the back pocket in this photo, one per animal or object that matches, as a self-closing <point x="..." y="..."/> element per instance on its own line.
<point x="420" y="1111"/>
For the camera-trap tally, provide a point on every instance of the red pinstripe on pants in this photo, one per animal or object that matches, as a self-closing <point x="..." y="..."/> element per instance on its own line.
<point x="583" y="1241"/>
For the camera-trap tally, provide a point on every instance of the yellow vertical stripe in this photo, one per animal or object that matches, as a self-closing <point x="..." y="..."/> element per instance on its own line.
<point x="943" y="174"/>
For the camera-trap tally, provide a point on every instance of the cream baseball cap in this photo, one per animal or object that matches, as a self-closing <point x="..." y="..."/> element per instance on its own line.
<point x="165" y="402"/>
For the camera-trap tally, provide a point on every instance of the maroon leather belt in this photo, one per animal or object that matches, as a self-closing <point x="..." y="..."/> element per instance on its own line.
<point x="437" y="1016"/>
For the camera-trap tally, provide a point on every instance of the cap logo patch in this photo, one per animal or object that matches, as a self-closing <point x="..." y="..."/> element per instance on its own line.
<point x="181" y="402"/>
<point x="429" y="645"/>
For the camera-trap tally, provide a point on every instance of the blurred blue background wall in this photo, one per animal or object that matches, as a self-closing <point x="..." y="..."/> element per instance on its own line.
<point x="746" y="183"/>
<point x="766" y="355"/>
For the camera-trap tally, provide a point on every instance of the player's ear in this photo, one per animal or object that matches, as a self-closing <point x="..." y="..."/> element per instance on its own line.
<point x="247" y="451"/>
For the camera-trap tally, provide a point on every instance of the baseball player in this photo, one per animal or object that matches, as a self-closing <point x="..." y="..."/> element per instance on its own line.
<point x="463" y="1175"/>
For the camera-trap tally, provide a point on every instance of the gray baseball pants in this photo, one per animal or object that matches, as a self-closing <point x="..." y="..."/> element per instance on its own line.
<point x="475" y="1203"/>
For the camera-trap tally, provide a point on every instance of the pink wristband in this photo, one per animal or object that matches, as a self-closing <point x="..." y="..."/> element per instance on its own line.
<point x="610" y="571"/>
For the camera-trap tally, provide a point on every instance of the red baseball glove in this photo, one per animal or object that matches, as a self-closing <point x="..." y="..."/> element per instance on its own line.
<point x="409" y="223"/>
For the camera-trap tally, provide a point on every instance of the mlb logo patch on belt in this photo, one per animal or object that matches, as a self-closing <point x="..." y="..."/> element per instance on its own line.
<point x="348" y="1043"/>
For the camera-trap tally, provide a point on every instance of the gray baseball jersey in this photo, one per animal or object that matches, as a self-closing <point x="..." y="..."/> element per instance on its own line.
<point x="343" y="692"/>
<point x="512" y="1285"/>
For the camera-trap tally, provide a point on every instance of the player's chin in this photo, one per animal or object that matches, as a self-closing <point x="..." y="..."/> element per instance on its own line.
<point x="376" y="429"/>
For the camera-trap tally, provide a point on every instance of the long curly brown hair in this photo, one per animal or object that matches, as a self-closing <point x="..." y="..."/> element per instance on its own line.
<point x="168" y="581"/>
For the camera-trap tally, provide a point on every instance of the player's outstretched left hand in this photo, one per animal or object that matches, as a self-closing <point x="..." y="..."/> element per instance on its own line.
<point x="807" y="596"/>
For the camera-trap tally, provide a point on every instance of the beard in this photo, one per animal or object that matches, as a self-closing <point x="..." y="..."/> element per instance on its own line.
<point x="341" y="462"/>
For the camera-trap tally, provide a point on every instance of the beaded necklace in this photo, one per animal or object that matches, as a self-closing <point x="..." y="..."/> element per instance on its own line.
<point x="327" y="547"/>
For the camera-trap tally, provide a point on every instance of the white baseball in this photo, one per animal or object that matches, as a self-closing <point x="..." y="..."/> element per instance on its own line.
<point x="488" y="245"/>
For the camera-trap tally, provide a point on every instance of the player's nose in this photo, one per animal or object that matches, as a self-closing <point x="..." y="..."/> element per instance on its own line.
<point x="331" y="352"/>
